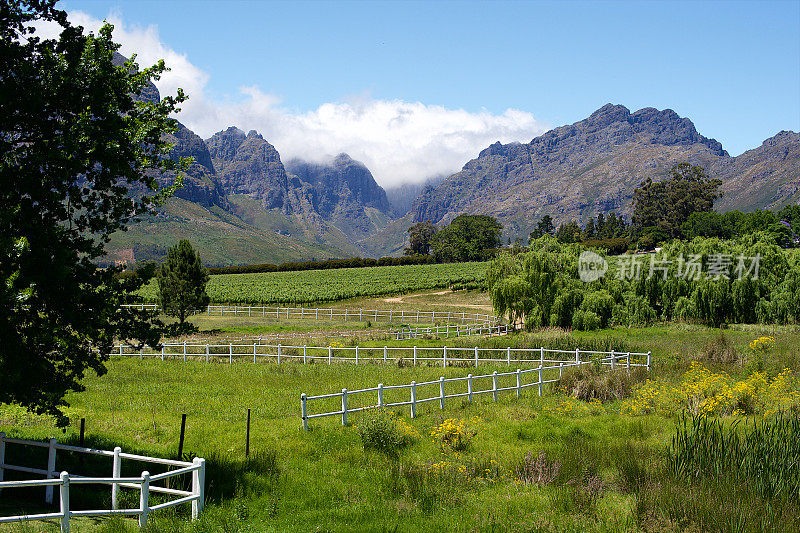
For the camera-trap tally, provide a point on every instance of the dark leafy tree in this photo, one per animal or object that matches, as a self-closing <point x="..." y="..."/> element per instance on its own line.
<point x="467" y="238"/>
<point x="419" y="238"/>
<point x="569" y="232"/>
<point x="666" y="205"/>
<point x="73" y="141"/>
<point x="544" y="227"/>
<point x="182" y="283"/>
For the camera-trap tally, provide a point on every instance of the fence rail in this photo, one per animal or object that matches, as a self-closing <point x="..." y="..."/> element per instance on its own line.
<point x="360" y="315"/>
<point x="413" y="389"/>
<point x="457" y="330"/>
<point x="414" y="355"/>
<point x="63" y="480"/>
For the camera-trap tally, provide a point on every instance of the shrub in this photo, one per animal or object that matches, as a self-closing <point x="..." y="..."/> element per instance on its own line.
<point x="587" y="383"/>
<point x="455" y="433"/>
<point x="386" y="432"/>
<point x="585" y="321"/>
<point x="719" y="350"/>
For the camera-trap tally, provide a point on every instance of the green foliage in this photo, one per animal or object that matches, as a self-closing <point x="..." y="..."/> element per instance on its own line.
<point x="420" y="236"/>
<point x="74" y="141"/>
<point x="544" y="227"/>
<point x="385" y="432"/>
<point x="765" y="455"/>
<point x="666" y="205"/>
<point x="182" y="282"/>
<point x="467" y="238"/>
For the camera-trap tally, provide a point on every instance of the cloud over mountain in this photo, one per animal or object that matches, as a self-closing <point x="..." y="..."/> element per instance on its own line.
<point x="398" y="141"/>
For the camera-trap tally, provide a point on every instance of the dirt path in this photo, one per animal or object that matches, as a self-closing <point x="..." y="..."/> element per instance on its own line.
<point x="402" y="300"/>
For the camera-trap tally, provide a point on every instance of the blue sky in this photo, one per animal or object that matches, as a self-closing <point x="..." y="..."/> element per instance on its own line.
<point x="505" y="69"/>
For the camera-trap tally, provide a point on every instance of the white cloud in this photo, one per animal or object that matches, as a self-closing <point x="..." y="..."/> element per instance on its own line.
<point x="398" y="141"/>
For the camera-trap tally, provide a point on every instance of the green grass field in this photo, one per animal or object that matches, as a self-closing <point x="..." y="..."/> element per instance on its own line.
<point x="612" y="474"/>
<point x="330" y="285"/>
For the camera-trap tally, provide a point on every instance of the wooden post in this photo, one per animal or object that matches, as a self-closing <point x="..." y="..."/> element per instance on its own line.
<point x="356" y="354"/>
<point x="184" y="351"/>
<point x="304" y="410"/>
<point x="254" y="352"/>
<point x="519" y="383"/>
<point x="344" y="407"/>
<point x="247" y="437"/>
<point x="441" y="392"/>
<point x="413" y="399"/>
<point x="648" y="361"/>
<point x="64" y="498"/>
<point x="469" y="387"/>
<point x="279" y="354"/>
<point x="577" y="356"/>
<point x="476" y="357"/>
<point x="415" y="356"/>
<point x="207" y="350"/>
<point x="230" y="353"/>
<point x="329" y="354"/>
<point x="183" y="433"/>
<point x="444" y="356"/>
<point x="494" y="385"/>
<point x="628" y="362"/>
<point x="385" y="354"/>
<point x="613" y="358"/>
<point x="144" y="500"/>
<point x="116" y="472"/>
<point x="304" y="354"/>
<point x="508" y="356"/>
<point x="380" y="395"/>
<point x="51" y="467"/>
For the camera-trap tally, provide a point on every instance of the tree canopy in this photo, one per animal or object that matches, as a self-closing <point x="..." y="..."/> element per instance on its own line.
<point x="467" y="238"/>
<point x="419" y="238"/>
<point x="182" y="283"/>
<point x="74" y="141"/>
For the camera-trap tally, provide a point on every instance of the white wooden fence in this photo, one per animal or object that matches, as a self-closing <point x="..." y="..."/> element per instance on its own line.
<point x="612" y="360"/>
<point x="446" y="355"/>
<point x="144" y="483"/>
<point x="359" y="315"/>
<point x="456" y="330"/>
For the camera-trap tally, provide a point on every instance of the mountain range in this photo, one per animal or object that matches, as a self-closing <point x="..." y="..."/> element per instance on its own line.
<point x="241" y="204"/>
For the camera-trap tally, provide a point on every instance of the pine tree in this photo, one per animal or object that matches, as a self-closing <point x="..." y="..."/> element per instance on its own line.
<point x="182" y="283"/>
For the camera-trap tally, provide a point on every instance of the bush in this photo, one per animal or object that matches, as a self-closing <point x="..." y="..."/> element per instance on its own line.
<point x="454" y="433"/>
<point x="585" y="320"/>
<point x="588" y="383"/>
<point x="720" y="349"/>
<point x="386" y="432"/>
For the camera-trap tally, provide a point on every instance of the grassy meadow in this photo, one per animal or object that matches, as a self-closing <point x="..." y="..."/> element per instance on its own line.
<point x="555" y="463"/>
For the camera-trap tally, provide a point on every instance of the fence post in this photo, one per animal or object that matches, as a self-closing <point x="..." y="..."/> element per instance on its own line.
<point x="116" y="471"/>
<point x="304" y="354"/>
<point x="207" y="350"/>
<point x="144" y="500"/>
<point x="385" y="353"/>
<point x="476" y="357"/>
<point x="577" y="356"/>
<point x="540" y="380"/>
<point x="560" y="371"/>
<point x="541" y="356"/>
<point x="648" y="361"/>
<point x="344" y="407"/>
<point x="444" y="356"/>
<point x="469" y="387"/>
<point x="413" y="399"/>
<point x="519" y="383"/>
<point x="304" y="410"/>
<point x="508" y="356"/>
<point x="415" y="356"/>
<point x="441" y="392"/>
<point x="51" y="467"/>
<point x="141" y="353"/>
<point x="162" y="352"/>
<point x="279" y="354"/>
<point x="494" y="386"/>
<point x="198" y="487"/>
<point x="230" y="353"/>
<point x="356" y="354"/>
<point x="417" y="316"/>
<point x="184" y="351"/>
<point x="628" y="362"/>
<point x="380" y="395"/>
<point x="254" y="352"/>
<point x="2" y="455"/>
<point x="612" y="359"/>
<point x="64" y="497"/>
<point x="120" y="348"/>
<point x="329" y="354"/>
